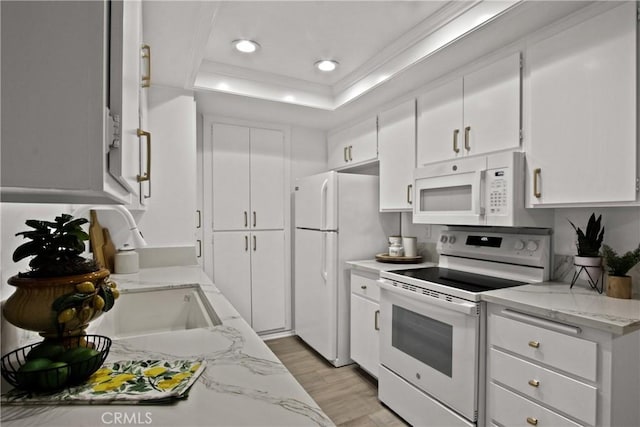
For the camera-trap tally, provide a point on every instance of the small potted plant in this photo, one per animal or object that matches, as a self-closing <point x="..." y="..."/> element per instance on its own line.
<point x="588" y="244"/>
<point x="63" y="291"/>
<point x="618" y="283"/>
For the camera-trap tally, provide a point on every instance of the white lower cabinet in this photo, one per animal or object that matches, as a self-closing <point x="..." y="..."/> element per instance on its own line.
<point x="248" y="268"/>
<point x="365" y="318"/>
<point x="548" y="373"/>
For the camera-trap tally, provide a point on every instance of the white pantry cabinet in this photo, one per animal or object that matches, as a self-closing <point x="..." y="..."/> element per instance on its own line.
<point x="544" y="372"/>
<point x="248" y="178"/>
<point x="353" y="146"/>
<point x="397" y="156"/>
<point x="475" y="114"/>
<point x="70" y="101"/>
<point x="582" y="91"/>
<point x="248" y="268"/>
<point x="365" y="321"/>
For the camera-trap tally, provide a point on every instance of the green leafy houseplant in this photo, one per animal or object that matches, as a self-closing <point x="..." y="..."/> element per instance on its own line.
<point x="590" y="240"/>
<point x="55" y="247"/>
<point x="619" y="265"/>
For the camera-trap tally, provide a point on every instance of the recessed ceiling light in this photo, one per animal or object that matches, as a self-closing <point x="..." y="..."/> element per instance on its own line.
<point x="326" y="65"/>
<point x="245" y="46"/>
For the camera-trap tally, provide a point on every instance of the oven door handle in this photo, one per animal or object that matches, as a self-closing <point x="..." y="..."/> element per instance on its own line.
<point x="467" y="308"/>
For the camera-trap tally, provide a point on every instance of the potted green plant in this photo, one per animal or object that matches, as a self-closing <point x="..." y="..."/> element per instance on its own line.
<point x="63" y="291"/>
<point x="588" y="244"/>
<point x="619" y="284"/>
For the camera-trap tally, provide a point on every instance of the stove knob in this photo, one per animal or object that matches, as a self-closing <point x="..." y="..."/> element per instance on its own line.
<point x="452" y="239"/>
<point x="532" y="245"/>
<point x="444" y="238"/>
<point x="519" y="245"/>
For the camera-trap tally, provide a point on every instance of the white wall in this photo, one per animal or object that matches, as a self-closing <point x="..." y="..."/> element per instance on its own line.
<point x="171" y="213"/>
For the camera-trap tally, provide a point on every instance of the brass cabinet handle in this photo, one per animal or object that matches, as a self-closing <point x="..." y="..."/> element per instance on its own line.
<point x="536" y="176"/>
<point x="346" y="158"/>
<point x="534" y="383"/>
<point x="532" y="421"/>
<point x="254" y="243"/>
<point x="376" y="320"/>
<point x="146" y="55"/>
<point x="147" y="175"/>
<point x="350" y="152"/>
<point x="534" y="344"/>
<point x="246" y="243"/>
<point x="409" y="188"/>
<point x="467" y="131"/>
<point x="455" y="140"/>
<point x="254" y="218"/>
<point x="246" y="219"/>
<point x="199" y="248"/>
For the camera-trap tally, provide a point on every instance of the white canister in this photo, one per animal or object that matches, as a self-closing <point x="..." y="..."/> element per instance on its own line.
<point x="126" y="261"/>
<point x="410" y="245"/>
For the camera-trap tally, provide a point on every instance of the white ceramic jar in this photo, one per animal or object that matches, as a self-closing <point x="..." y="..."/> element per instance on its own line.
<point x="126" y="261"/>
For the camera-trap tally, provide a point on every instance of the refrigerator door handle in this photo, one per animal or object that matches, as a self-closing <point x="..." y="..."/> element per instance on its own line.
<point x="323" y="263"/>
<point x="323" y="204"/>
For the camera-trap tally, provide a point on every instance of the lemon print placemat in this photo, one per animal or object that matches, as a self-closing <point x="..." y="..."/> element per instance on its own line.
<point x="122" y="382"/>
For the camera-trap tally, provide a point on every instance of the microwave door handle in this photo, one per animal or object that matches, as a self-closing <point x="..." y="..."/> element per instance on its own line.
<point x="480" y="196"/>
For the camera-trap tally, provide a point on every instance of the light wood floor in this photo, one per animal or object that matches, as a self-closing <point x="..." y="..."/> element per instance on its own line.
<point x="348" y="395"/>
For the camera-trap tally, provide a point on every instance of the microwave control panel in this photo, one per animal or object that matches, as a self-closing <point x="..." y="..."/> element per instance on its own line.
<point x="498" y="191"/>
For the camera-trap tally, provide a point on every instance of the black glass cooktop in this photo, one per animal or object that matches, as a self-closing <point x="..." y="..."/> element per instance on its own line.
<point x="459" y="279"/>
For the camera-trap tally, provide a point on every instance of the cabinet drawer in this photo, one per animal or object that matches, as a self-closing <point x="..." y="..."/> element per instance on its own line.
<point x="565" y="352"/>
<point x="559" y="391"/>
<point x="365" y="287"/>
<point x="509" y="409"/>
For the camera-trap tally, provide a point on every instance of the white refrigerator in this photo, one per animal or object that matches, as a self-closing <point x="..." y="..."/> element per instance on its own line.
<point x="336" y="220"/>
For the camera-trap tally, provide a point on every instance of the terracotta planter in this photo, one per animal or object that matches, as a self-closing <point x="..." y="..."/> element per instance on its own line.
<point x="619" y="287"/>
<point x="29" y="307"/>
<point x="591" y="265"/>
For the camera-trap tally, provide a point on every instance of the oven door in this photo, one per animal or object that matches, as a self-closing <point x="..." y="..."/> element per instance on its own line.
<point x="450" y="193"/>
<point x="433" y="344"/>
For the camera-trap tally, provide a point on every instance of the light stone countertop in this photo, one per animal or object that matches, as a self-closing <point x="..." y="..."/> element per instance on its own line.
<point x="244" y="384"/>
<point x="580" y="305"/>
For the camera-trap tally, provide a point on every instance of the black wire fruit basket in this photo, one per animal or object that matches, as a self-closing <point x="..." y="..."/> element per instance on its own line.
<point x="52" y="365"/>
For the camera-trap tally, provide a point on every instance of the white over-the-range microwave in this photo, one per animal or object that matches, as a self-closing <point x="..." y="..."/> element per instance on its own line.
<point x="479" y="190"/>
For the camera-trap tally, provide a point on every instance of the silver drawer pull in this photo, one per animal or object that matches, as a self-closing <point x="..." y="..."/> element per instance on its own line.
<point x="534" y="344"/>
<point x="532" y="421"/>
<point x="534" y="383"/>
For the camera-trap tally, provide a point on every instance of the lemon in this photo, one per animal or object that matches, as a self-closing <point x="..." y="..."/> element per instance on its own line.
<point x="98" y="302"/>
<point x="85" y="314"/>
<point x="66" y="315"/>
<point x="115" y="293"/>
<point x="85" y="287"/>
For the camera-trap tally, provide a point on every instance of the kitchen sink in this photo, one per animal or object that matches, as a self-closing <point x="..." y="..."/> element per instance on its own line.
<point x="149" y="311"/>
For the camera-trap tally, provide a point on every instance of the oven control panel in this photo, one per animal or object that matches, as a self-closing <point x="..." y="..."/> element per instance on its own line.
<point x="508" y="246"/>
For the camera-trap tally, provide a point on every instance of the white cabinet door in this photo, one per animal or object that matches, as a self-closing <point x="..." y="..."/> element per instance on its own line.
<point x="583" y="140"/>
<point x="492" y="107"/>
<point x="352" y="146"/>
<point x="231" y="177"/>
<point x="440" y="132"/>
<point x="267" y="179"/>
<point x="54" y="78"/>
<point x="232" y="269"/>
<point x="365" y="333"/>
<point x="267" y="280"/>
<point x="397" y="156"/>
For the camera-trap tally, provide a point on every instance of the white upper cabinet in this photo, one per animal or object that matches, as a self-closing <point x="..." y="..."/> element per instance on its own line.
<point x="397" y="156"/>
<point x="353" y="146"/>
<point x="59" y="81"/>
<point x="582" y="147"/>
<point x="248" y="178"/>
<point x="478" y="113"/>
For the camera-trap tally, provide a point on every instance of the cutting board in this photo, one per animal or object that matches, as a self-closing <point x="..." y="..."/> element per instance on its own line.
<point x="108" y="250"/>
<point x="96" y="238"/>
